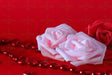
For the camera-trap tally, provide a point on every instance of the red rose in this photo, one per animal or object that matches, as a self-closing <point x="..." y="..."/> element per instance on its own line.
<point x="102" y="32"/>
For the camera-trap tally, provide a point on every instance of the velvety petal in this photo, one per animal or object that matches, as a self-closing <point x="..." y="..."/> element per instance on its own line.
<point x="108" y="26"/>
<point x="104" y="36"/>
<point x="93" y="27"/>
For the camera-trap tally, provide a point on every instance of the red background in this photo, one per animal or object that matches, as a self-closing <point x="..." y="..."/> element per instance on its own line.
<point x="25" y="19"/>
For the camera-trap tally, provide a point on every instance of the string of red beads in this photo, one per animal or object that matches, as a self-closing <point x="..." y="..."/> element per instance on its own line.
<point x="41" y="63"/>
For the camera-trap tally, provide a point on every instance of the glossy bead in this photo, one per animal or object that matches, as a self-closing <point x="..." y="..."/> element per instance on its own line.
<point x="4" y="41"/>
<point x="71" y="69"/>
<point x="50" y="66"/>
<point x="10" y="55"/>
<point x="22" y="46"/>
<point x="44" y="64"/>
<point x="21" y="62"/>
<point x="27" y="73"/>
<point x="28" y="63"/>
<point x="13" y="44"/>
<point x="33" y="47"/>
<point x="81" y="72"/>
<point x="5" y="52"/>
<point x="92" y="73"/>
<point x="16" y="42"/>
<point x="98" y="73"/>
<point x="87" y="72"/>
<point x="15" y="59"/>
<point x="66" y="67"/>
<point x="39" y="65"/>
<point x="61" y="67"/>
<point x="28" y="45"/>
<point x="55" y="66"/>
<point x="34" y="63"/>
<point x="21" y="58"/>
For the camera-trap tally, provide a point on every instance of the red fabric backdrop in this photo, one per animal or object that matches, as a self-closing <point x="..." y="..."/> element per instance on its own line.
<point x="25" y="19"/>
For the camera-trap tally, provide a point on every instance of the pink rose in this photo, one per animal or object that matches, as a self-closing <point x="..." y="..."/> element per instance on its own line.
<point x="50" y="40"/>
<point x="82" y="49"/>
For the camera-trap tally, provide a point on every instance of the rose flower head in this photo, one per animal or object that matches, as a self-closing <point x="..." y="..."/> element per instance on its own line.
<point x="50" y="40"/>
<point x="82" y="49"/>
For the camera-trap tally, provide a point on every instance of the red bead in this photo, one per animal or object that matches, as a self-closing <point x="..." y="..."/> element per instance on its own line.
<point x="21" y="62"/>
<point x="28" y="63"/>
<point x="34" y="63"/>
<point x="44" y="63"/>
<point x="10" y="55"/>
<point x="15" y="59"/>
<point x="21" y="58"/>
<point x="61" y="67"/>
<point x="76" y="71"/>
<point x="92" y="73"/>
<point x="66" y="67"/>
<point x="27" y="73"/>
<point x="50" y="66"/>
<point x="22" y="46"/>
<point x="33" y="47"/>
<point x="55" y="66"/>
<point x="5" y="52"/>
<point x="98" y="73"/>
<point x="39" y="65"/>
<point x="4" y="41"/>
<point x="13" y="44"/>
<point x="87" y="72"/>
<point x="28" y="45"/>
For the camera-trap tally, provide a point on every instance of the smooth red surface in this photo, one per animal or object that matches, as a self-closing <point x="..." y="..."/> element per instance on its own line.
<point x="25" y="19"/>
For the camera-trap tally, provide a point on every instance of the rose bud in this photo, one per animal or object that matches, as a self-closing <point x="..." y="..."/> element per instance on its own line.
<point x="82" y="49"/>
<point x="51" y="39"/>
